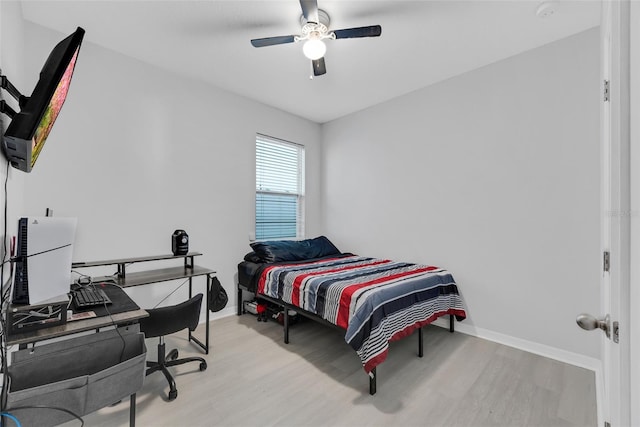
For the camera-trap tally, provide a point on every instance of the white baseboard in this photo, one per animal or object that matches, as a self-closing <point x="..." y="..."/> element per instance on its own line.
<point x="229" y="310"/>
<point x="529" y="346"/>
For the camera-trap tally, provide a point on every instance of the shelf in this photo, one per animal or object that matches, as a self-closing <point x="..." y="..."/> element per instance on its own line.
<point x="159" y="275"/>
<point x="132" y="260"/>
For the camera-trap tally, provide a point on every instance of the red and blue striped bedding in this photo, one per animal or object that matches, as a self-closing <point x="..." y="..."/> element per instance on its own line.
<point x="375" y="300"/>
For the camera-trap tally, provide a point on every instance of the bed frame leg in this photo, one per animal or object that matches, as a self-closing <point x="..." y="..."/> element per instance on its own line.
<point x="420" y="343"/>
<point x="451" y="323"/>
<point x="239" y="301"/>
<point x="286" y="325"/>
<point x="373" y="375"/>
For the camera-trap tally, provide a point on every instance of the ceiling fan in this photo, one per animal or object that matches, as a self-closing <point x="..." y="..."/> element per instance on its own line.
<point x="315" y="29"/>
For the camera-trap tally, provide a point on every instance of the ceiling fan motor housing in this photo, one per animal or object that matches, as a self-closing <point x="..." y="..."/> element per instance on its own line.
<point x="323" y="17"/>
<point x="315" y="30"/>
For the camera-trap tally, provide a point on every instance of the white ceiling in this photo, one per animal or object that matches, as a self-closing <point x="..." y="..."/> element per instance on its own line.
<point x="422" y="42"/>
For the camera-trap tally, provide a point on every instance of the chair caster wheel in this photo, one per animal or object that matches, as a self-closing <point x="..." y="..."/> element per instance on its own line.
<point x="173" y="355"/>
<point x="173" y="394"/>
<point x="203" y="366"/>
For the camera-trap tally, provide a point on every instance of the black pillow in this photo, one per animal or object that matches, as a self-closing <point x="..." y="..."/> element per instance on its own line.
<point x="292" y="250"/>
<point x="252" y="257"/>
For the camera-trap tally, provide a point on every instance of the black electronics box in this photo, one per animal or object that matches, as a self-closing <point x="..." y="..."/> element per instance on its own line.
<point x="179" y="242"/>
<point x="25" y="318"/>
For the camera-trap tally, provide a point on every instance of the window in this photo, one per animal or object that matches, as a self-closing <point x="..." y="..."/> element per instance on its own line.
<point x="279" y="189"/>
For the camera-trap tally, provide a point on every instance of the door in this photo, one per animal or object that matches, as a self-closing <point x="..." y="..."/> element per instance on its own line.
<point x="615" y="214"/>
<point x="634" y="278"/>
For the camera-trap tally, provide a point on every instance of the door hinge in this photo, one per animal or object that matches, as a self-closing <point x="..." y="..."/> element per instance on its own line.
<point x="606" y="90"/>
<point x="606" y="261"/>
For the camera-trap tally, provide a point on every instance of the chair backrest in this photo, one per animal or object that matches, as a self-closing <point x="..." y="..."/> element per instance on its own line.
<point x="167" y="320"/>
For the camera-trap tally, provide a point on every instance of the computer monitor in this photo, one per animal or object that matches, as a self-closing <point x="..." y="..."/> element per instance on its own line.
<point x="29" y="128"/>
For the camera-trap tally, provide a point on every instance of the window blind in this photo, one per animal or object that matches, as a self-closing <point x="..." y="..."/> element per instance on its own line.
<point x="279" y="189"/>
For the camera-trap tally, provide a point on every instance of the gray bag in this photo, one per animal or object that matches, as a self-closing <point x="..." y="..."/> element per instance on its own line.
<point x="80" y="375"/>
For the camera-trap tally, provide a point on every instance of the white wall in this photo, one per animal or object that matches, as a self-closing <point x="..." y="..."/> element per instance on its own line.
<point x="12" y="65"/>
<point x="493" y="175"/>
<point x="138" y="152"/>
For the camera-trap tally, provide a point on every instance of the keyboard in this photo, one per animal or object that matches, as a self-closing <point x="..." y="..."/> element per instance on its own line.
<point x="87" y="297"/>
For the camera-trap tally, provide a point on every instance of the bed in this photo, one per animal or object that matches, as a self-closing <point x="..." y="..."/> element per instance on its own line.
<point x="375" y="301"/>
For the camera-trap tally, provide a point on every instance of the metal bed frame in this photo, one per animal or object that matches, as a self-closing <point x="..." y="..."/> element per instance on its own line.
<point x="286" y="307"/>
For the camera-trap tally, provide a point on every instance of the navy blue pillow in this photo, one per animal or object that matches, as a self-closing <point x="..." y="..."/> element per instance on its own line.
<point x="294" y="250"/>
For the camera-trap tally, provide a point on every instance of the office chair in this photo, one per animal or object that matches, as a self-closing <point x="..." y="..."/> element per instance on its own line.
<point x="167" y="320"/>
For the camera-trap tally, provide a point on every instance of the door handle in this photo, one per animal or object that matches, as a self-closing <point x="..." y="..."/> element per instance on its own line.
<point x="589" y="323"/>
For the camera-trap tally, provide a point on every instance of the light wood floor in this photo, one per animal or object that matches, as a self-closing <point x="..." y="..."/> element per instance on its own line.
<point x="254" y="379"/>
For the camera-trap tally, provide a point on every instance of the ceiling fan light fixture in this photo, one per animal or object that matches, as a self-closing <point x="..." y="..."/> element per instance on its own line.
<point x="314" y="48"/>
<point x="314" y="30"/>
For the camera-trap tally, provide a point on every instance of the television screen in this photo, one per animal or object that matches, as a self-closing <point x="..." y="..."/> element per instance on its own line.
<point x="29" y="129"/>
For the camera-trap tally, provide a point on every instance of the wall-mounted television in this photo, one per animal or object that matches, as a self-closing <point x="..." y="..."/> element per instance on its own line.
<point x="30" y="127"/>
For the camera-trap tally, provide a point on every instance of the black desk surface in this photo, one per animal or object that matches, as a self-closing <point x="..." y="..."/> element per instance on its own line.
<point x="120" y="301"/>
<point x="122" y="311"/>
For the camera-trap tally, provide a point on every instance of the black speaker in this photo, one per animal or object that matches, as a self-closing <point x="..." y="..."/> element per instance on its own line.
<point x="179" y="242"/>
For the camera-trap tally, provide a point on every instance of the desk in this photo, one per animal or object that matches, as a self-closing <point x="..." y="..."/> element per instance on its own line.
<point x="188" y="270"/>
<point x="74" y="327"/>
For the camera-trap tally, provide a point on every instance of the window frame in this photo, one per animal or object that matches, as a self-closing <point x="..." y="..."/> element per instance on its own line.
<point x="260" y="233"/>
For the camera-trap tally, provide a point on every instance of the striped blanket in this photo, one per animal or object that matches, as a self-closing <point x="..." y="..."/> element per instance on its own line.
<point x="375" y="300"/>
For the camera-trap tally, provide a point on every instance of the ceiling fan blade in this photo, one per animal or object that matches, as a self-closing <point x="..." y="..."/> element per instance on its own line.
<point x="310" y="10"/>
<point x="350" y="33"/>
<point x="270" y="41"/>
<point x="319" y="67"/>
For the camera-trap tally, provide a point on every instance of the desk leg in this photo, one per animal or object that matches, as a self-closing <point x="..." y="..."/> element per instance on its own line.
<point x="132" y="410"/>
<point x="209" y="280"/>
<point x="204" y="346"/>
<point x="191" y="338"/>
